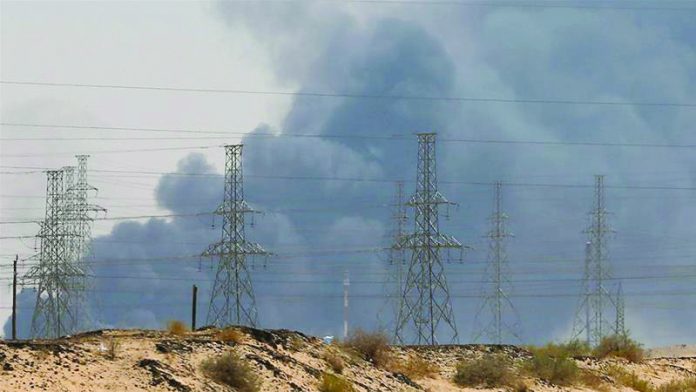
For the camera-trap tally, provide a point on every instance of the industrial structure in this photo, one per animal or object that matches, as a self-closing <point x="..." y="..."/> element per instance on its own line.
<point x="60" y="276"/>
<point x="497" y="320"/>
<point x="596" y="301"/>
<point x="425" y="307"/>
<point x="232" y="297"/>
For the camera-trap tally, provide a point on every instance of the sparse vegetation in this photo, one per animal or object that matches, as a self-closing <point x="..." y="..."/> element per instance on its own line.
<point x="371" y="346"/>
<point x="335" y="361"/>
<point x="686" y="385"/>
<point x="176" y="327"/>
<point x="232" y="370"/>
<point x="229" y="334"/>
<point x="629" y="379"/>
<point x="415" y="368"/>
<point x="112" y="348"/>
<point x="333" y="383"/>
<point x="592" y="380"/>
<point x="620" y="346"/>
<point x="295" y="343"/>
<point x="552" y="363"/>
<point x="488" y="371"/>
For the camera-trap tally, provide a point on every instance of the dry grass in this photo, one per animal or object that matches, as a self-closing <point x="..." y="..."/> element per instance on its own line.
<point x="552" y="363"/>
<point x="621" y="347"/>
<point x="176" y="327"/>
<point x="371" y="346"/>
<point x="415" y="368"/>
<point x="333" y="383"/>
<point x="686" y="385"/>
<point x="112" y="348"/>
<point x="488" y="371"/>
<point x="229" y="334"/>
<point x="629" y="379"/>
<point x="232" y="370"/>
<point x="295" y="343"/>
<point x="335" y="361"/>
<point x="593" y="381"/>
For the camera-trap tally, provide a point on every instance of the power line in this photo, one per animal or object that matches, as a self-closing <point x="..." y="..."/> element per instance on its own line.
<point x="586" y="5"/>
<point x="392" y="180"/>
<point x="353" y="95"/>
<point x="343" y="135"/>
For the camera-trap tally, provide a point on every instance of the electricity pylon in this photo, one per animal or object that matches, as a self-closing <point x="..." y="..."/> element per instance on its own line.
<point x="232" y="297"/>
<point x="583" y="314"/>
<point x="80" y="215"/>
<point x="396" y="255"/>
<point x="425" y="299"/>
<point x="83" y="210"/>
<point x="56" y="276"/>
<point x="504" y="322"/>
<point x="596" y="298"/>
<point x="620" y="323"/>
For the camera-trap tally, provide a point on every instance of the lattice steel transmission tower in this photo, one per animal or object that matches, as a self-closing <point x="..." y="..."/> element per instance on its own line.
<point x="83" y="210"/>
<point x="232" y="297"/>
<point x="397" y="254"/>
<point x="56" y="275"/>
<point x="81" y="213"/>
<point x="425" y="299"/>
<point x="620" y="324"/>
<point x="503" y="322"/>
<point x="583" y="314"/>
<point x="596" y="299"/>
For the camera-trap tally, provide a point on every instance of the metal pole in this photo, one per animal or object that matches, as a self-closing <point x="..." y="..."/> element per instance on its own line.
<point x="14" y="299"/>
<point x="193" y="308"/>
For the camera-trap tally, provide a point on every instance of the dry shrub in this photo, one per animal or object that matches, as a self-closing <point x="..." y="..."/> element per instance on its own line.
<point x="333" y="383"/>
<point x="686" y="385"/>
<point x="488" y="371"/>
<point x="112" y="348"/>
<point x="620" y="346"/>
<point x="571" y="349"/>
<point x="232" y="370"/>
<point x="295" y="343"/>
<point x="371" y="346"/>
<point x="335" y="361"/>
<point x="176" y="327"/>
<point x="553" y="364"/>
<point x="416" y="368"/>
<point x="629" y="379"/>
<point x="520" y="386"/>
<point x="592" y="380"/>
<point x="229" y="334"/>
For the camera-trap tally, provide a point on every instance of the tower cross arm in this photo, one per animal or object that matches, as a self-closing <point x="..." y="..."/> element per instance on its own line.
<point x="225" y="248"/>
<point x="435" y="198"/>
<point x="418" y="240"/>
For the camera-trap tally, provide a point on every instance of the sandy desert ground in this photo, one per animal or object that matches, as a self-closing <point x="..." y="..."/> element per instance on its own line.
<point x="285" y="361"/>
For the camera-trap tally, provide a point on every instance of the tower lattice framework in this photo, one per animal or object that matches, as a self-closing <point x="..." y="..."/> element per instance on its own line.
<point x="56" y="276"/>
<point x="620" y="323"/>
<point x="596" y="301"/>
<point x="83" y="210"/>
<point x="497" y="320"/>
<point x="425" y="307"/>
<point x="232" y="297"/>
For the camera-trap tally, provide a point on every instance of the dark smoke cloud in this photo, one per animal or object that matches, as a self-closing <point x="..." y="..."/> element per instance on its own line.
<point x="497" y="53"/>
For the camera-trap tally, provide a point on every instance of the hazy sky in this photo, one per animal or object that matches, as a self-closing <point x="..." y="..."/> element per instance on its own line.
<point x="641" y="52"/>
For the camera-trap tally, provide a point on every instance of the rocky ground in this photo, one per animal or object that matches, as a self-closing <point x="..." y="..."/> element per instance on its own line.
<point x="139" y="360"/>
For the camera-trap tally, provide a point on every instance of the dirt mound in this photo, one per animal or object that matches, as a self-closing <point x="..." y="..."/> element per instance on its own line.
<point x="139" y="360"/>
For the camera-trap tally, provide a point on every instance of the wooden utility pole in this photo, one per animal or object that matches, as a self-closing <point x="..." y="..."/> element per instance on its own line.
<point x="193" y="308"/>
<point x="14" y="299"/>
